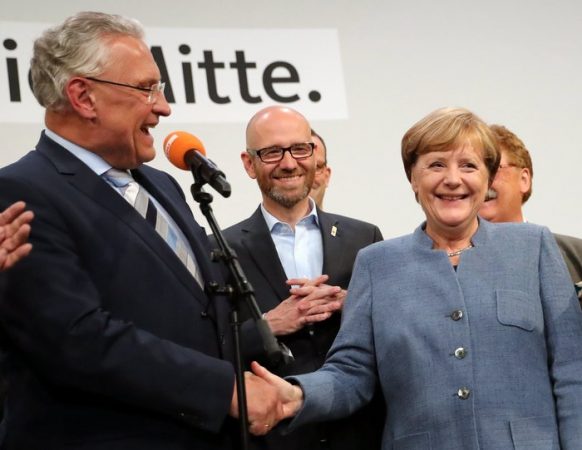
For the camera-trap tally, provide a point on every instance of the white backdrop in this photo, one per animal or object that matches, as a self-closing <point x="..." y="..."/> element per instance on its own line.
<point x="516" y="63"/>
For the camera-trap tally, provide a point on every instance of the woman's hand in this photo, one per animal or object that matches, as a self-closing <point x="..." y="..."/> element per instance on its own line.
<point x="290" y="395"/>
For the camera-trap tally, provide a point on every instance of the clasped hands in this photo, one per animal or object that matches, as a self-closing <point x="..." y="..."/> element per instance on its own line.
<point x="270" y="399"/>
<point x="310" y="301"/>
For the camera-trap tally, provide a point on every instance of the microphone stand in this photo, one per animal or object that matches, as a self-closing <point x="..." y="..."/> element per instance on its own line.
<point x="239" y="291"/>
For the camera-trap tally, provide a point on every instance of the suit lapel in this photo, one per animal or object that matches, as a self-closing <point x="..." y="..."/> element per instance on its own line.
<point x="183" y="218"/>
<point x="195" y="235"/>
<point x="259" y="244"/>
<point x="333" y="239"/>
<point x="90" y="184"/>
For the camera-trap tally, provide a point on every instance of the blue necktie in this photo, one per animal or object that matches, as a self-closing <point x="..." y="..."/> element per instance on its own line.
<point x="140" y="200"/>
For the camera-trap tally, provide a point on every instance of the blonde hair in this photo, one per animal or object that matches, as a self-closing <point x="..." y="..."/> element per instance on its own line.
<point x="516" y="152"/>
<point x="445" y="128"/>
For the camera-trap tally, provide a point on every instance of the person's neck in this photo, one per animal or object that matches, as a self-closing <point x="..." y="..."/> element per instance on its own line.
<point x="290" y="215"/>
<point x="452" y="239"/>
<point x="517" y="217"/>
<point x="70" y="127"/>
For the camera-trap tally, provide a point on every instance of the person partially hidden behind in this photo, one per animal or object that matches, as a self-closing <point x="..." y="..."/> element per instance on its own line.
<point x="472" y="329"/>
<point x="113" y="343"/>
<point x="287" y="242"/>
<point x="510" y="190"/>
<point x="322" y="170"/>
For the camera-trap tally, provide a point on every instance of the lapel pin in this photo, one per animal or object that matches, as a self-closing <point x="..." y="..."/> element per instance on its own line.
<point x="333" y="230"/>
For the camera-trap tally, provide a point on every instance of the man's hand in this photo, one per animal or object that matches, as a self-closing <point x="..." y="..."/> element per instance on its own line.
<point x="319" y="281"/>
<point x="307" y="304"/>
<point x="299" y="282"/>
<point x="14" y="231"/>
<point x="264" y="406"/>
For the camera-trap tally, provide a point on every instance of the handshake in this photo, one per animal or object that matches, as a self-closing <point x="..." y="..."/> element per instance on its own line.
<point x="270" y="399"/>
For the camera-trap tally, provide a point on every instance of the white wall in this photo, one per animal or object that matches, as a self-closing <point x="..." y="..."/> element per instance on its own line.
<point x="517" y="63"/>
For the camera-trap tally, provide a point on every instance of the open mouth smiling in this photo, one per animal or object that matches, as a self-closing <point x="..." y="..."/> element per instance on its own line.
<point x="146" y="128"/>
<point x="491" y="195"/>
<point x="288" y="178"/>
<point x="451" y="198"/>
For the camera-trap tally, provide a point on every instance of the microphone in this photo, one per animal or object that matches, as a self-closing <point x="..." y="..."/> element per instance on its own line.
<point x="186" y="151"/>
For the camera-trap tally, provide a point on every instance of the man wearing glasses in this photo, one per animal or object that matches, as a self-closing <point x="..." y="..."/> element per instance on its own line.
<point x="113" y="342"/>
<point x="512" y="187"/>
<point x="322" y="170"/>
<point x="299" y="261"/>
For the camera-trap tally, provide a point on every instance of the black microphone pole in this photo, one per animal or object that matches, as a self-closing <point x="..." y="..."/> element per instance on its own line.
<point x="239" y="291"/>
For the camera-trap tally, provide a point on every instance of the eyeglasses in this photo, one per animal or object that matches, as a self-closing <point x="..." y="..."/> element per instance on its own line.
<point x="276" y="154"/>
<point x="506" y="166"/>
<point x="153" y="91"/>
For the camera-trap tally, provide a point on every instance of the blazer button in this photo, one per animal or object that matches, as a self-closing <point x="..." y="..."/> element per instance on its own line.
<point x="457" y="315"/>
<point x="460" y="353"/>
<point x="464" y="393"/>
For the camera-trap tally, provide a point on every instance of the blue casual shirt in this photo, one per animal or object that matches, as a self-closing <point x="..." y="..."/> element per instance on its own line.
<point x="301" y="250"/>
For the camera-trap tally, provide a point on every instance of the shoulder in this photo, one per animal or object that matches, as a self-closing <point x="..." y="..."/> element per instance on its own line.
<point x="246" y="225"/>
<point x="389" y="249"/>
<point x="507" y="231"/>
<point x="29" y="165"/>
<point x="518" y="242"/>
<point x="344" y="219"/>
<point x="569" y="241"/>
<point x="350" y="224"/>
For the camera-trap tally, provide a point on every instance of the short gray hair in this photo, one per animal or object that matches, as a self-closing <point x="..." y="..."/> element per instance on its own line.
<point x="75" y="48"/>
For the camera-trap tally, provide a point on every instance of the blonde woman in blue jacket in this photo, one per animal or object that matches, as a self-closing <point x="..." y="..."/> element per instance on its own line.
<point x="471" y="329"/>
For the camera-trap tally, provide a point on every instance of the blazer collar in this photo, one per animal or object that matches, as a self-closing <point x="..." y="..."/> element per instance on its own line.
<point x="81" y="177"/>
<point x="478" y="239"/>
<point x="333" y="238"/>
<point x="259" y="244"/>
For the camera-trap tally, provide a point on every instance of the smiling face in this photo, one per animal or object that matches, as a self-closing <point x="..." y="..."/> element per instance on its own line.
<point x="508" y="189"/>
<point x="284" y="184"/>
<point x="322" y="173"/>
<point x="123" y="116"/>
<point x="450" y="187"/>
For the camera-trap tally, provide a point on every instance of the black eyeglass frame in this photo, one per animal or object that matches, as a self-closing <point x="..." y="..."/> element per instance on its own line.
<point x="289" y="149"/>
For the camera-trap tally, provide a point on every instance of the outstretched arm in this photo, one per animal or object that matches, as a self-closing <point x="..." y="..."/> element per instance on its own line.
<point x="290" y="395"/>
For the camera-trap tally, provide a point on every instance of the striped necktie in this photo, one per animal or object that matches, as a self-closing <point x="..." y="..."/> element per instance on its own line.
<point x="140" y="200"/>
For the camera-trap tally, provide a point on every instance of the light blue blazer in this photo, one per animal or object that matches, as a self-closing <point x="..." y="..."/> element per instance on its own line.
<point x="486" y="357"/>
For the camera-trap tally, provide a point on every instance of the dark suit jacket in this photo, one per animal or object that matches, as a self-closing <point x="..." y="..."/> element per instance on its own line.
<point x="342" y="239"/>
<point x="113" y="345"/>
<point x="571" y="249"/>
